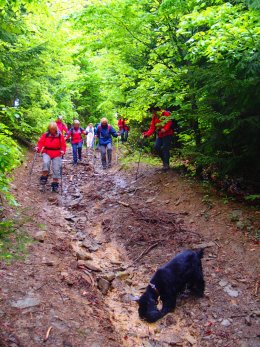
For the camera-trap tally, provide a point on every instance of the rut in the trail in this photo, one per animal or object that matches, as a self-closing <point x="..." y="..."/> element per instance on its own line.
<point x="131" y="232"/>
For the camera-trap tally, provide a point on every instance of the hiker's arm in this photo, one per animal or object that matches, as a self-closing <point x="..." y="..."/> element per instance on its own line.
<point x="113" y="132"/>
<point x="40" y="143"/>
<point x="63" y="145"/>
<point x="68" y="135"/>
<point x="151" y="129"/>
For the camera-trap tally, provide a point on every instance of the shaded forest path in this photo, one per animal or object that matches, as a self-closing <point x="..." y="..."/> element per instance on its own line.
<point x="98" y="244"/>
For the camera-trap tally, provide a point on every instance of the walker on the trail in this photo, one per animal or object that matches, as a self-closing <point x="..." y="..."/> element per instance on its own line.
<point x="164" y="132"/>
<point x="61" y="126"/>
<point x="75" y="133"/>
<point x="52" y="146"/>
<point x="123" y="129"/>
<point x="104" y="133"/>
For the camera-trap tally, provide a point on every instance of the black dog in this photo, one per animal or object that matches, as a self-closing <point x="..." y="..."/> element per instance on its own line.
<point x="183" y="271"/>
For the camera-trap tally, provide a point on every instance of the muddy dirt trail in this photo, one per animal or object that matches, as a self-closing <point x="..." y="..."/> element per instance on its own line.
<point x="96" y="247"/>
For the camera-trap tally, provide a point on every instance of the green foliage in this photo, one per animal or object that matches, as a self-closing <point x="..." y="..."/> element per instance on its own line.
<point x="9" y="158"/>
<point x="200" y="59"/>
<point x="13" y="240"/>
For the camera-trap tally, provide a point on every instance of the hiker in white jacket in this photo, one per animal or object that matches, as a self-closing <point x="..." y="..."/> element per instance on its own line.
<point x="90" y="135"/>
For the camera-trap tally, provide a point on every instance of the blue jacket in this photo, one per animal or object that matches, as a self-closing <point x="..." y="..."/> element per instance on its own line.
<point x="105" y="134"/>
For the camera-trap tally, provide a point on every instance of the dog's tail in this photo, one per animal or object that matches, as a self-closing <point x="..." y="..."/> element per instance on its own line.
<point x="200" y="252"/>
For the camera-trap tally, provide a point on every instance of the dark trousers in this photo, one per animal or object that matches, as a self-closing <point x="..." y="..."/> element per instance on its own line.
<point x="76" y="150"/>
<point x="124" y="135"/>
<point x="162" y="147"/>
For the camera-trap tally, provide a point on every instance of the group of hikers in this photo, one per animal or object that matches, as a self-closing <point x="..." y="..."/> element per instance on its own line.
<point x="52" y="144"/>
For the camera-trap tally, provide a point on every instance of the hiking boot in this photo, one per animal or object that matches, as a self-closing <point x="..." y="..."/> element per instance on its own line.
<point x="166" y="167"/>
<point x="104" y="167"/>
<point x="55" y="187"/>
<point x="109" y="166"/>
<point x="43" y="180"/>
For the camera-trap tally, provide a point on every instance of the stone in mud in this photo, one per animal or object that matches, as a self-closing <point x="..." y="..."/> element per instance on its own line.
<point x="109" y="276"/>
<point x="235" y="215"/>
<point x="66" y="277"/>
<point x="103" y="285"/>
<point x="122" y="274"/>
<point x="73" y="203"/>
<point x="230" y="291"/>
<point x="79" y="236"/>
<point x="91" y="245"/>
<point x="70" y="218"/>
<point x="150" y="200"/>
<point x="90" y="266"/>
<point x="223" y="283"/>
<point x="80" y="254"/>
<point x="40" y="235"/>
<point x="26" y="302"/>
<point x="225" y="323"/>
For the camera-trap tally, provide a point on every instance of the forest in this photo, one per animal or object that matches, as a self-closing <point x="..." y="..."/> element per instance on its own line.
<point x="102" y="243"/>
<point x="199" y="59"/>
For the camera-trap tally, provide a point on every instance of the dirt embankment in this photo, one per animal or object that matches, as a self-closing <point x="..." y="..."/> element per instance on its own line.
<point x="96" y="247"/>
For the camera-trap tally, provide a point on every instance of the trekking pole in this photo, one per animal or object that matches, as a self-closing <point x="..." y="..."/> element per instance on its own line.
<point x="138" y="165"/>
<point x="94" y="154"/>
<point x="61" y="180"/>
<point x="31" y="170"/>
<point x="117" y="147"/>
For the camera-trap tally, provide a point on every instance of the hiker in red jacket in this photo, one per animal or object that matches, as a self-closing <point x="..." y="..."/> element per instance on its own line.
<point x="123" y="129"/>
<point x="61" y="126"/>
<point x="52" y="146"/>
<point x="75" y="133"/>
<point x="164" y="132"/>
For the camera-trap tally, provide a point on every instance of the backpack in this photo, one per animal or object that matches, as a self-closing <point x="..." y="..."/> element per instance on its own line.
<point x="72" y="130"/>
<point x="48" y="134"/>
<point x="99" y="128"/>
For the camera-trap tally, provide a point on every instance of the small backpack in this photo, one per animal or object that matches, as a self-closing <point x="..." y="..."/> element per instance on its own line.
<point x="108" y="128"/>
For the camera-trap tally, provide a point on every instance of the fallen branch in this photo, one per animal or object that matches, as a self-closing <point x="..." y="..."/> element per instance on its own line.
<point x="147" y="250"/>
<point x="126" y="205"/>
<point x="47" y="334"/>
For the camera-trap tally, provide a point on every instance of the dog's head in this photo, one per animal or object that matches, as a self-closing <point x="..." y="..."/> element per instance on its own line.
<point x="148" y="307"/>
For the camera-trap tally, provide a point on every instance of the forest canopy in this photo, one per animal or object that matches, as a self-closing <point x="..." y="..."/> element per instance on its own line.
<point x="198" y="59"/>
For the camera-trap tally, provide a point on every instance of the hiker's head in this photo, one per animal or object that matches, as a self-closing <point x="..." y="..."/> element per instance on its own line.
<point x="52" y="128"/>
<point x="154" y="108"/>
<point x="90" y="125"/>
<point x="104" y="122"/>
<point x="76" y="123"/>
<point x="60" y="117"/>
